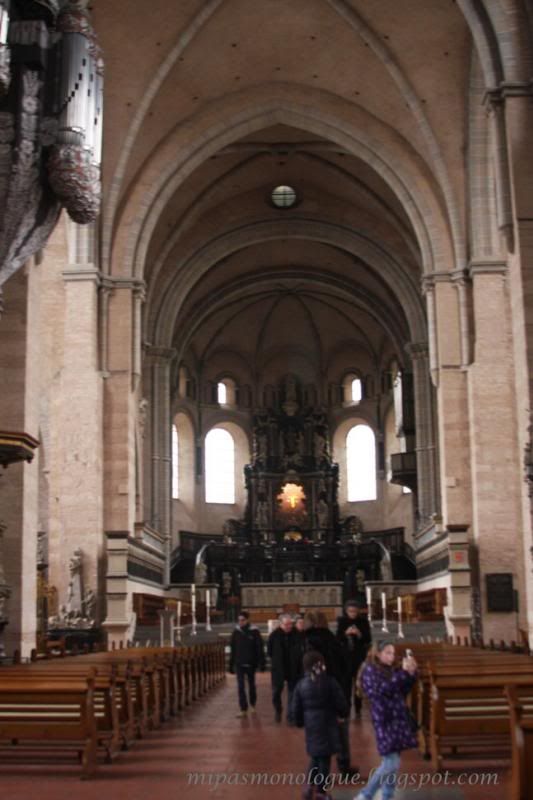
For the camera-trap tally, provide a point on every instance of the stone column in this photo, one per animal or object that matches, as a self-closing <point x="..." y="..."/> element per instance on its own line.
<point x="19" y="411"/>
<point x="76" y="435"/>
<point x="454" y="447"/>
<point x="518" y="124"/>
<point x="160" y="359"/>
<point x="427" y="491"/>
<point x="448" y="373"/>
<point x="496" y="483"/>
<point x="120" y="411"/>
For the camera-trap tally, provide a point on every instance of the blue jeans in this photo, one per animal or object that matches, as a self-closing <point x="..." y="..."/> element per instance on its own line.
<point x="248" y="672"/>
<point x="384" y="778"/>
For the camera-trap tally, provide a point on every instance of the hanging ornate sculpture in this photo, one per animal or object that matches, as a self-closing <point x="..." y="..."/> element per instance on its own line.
<point x="50" y="123"/>
<point x="74" y="162"/>
<point x="5" y="71"/>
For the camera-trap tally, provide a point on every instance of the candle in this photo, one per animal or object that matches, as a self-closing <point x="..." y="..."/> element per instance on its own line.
<point x="368" y="590"/>
<point x="207" y="610"/>
<point x="400" y="627"/>
<point x="179" y="614"/>
<point x="193" y="609"/>
<point x="384" y="607"/>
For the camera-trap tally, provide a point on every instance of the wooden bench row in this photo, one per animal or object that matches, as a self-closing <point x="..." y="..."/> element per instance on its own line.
<point x="99" y="703"/>
<point x="475" y="704"/>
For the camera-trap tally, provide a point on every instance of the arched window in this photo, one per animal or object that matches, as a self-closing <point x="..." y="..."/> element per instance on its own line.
<point x="219" y="467"/>
<point x="226" y="392"/>
<point x="361" y="463"/>
<point x="357" y="390"/>
<point x="175" y="463"/>
<point x="222" y="393"/>
<point x="352" y="389"/>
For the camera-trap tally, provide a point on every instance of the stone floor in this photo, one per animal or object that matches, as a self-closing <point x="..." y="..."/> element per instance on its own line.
<point x="208" y="739"/>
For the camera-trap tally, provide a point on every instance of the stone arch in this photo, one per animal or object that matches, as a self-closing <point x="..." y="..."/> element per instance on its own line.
<point x="325" y="115"/>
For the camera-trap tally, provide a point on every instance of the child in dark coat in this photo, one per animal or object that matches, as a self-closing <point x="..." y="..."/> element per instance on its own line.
<point x="318" y="704"/>
<point x="387" y="688"/>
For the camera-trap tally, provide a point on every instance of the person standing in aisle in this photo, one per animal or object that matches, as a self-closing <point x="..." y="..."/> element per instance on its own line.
<point x="281" y="651"/>
<point x="355" y="638"/>
<point x="247" y="655"/>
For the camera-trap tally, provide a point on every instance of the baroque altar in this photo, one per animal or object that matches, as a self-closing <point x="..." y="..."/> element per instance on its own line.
<point x="292" y="481"/>
<point x="291" y="532"/>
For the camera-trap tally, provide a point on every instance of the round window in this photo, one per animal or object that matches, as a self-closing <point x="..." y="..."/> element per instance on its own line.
<point x="283" y="196"/>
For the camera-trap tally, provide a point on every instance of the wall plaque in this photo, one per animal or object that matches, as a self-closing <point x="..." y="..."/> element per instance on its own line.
<point x="500" y="594"/>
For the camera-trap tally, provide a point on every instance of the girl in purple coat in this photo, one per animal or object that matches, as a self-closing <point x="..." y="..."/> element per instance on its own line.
<point x="387" y="688"/>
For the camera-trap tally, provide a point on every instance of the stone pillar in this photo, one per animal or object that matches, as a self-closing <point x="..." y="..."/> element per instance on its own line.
<point x="453" y="431"/>
<point x="519" y="123"/>
<point x="161" y="445"/>
<point x="19" y="486"/>
<point x="120" y="410"/>
<point x="496" y="483"/>
<point x="427" y="491"/>
<point x="76" y="437"/>
<point x="448" y="373"/>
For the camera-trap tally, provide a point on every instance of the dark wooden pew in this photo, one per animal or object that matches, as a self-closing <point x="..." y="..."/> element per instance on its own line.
<point x="37" y="712"/>
<point x="470" y="716"/>
<point x="521" y="715"/>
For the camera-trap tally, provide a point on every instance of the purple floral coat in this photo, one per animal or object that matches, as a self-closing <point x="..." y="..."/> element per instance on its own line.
<point x="387" y="688"/>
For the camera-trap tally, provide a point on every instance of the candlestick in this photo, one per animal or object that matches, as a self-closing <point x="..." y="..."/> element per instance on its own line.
<point x="368" y="590"/>
<point x="161" y="628"/>
<point x="178" y="621"/>
<point x="400" y="627"/>
<point x="384" y="607"/>
<point x="207" y="610"/>
<point x="193" y="610"/>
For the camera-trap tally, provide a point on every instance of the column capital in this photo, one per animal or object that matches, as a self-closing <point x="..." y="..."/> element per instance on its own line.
<point x="159" y="355"/>
<point x="417" y="350"/>
<point x="487" y="266"/>
<point x="499" y="94"/>
<point x="135" y="284"/>
<point x="430" y="280"/>
<point x="87" y="272"/>
<point x="459" y="277"/>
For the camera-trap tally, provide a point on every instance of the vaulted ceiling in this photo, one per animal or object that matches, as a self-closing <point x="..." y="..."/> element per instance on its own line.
<point x="360" y="105"/>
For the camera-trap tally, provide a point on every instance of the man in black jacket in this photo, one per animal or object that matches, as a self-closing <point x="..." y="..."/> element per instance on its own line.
<point x="285" y="652"/>
<point x="353" y="633"/>
<point x="246" y="656"/>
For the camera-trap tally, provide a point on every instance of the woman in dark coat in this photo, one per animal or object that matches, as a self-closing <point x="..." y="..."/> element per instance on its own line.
<point x="318" y="703"/>
<point x="387" y="688"/>
<point x="319" y="637"/>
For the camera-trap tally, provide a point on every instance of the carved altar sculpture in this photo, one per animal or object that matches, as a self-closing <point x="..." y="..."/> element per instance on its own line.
<point x="291" y="482"/>
<point x="79" y="612"/>
<point x="75" y="587"/>
<point x="322" y="512"/>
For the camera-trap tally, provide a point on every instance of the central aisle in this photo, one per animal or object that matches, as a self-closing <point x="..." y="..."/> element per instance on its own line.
<point x="208" y="739"/>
